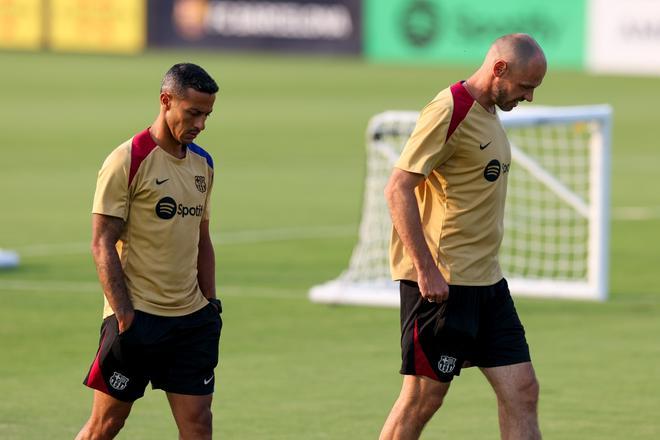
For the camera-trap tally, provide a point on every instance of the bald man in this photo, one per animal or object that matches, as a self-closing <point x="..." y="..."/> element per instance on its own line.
<point x="446" y="198"/>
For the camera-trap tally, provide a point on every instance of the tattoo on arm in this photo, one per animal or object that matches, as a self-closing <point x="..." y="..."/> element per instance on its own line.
<point x="106" y="231"/>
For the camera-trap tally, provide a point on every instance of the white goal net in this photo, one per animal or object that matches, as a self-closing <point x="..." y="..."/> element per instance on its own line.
<point x="556" y="217"/>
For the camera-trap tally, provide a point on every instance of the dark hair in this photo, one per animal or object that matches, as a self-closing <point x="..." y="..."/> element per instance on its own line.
<point x="187" y="75"/>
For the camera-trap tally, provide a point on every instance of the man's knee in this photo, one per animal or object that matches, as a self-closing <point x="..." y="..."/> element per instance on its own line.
<point x="113" y="425"/>
<point x="529" y="391"/>
<point x="205" y="419"/>
<point x="198" y="425"/>
<point x="101" y="429"/>
<point x="525" y="395"/>
<point x="429" y="406"/>
<point x="421" y="406"/>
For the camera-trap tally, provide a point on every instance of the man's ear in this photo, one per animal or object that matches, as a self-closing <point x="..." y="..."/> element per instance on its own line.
<point x="165" y="100"/>
<point x="499" y="68"/>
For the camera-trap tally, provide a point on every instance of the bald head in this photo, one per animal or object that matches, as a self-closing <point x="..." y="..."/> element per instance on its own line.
<point x="513" y="68"/>
<point x="517" y="50"/>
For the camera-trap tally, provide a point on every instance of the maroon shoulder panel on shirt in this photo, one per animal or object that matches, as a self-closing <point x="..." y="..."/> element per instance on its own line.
<point x="462" y="103"/>
<point x="141" y="146"/>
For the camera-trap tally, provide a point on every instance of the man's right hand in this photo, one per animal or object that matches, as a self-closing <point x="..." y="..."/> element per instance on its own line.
<point x="125" y="320"/>
<point x="432" y="285"/>
<point x="106" y="231"/>
<point x="404" y="210"/>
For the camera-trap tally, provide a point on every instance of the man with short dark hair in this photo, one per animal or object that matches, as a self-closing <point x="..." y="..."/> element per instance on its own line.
<point x="446" y="198"/>
<point x="156" y="265"/>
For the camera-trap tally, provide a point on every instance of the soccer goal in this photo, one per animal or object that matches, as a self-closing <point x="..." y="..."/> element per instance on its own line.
<point x="557" y="209"/>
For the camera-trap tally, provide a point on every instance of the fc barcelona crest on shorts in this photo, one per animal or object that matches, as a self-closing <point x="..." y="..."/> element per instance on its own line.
<point x="200" y="183"/>
<point x="446" y="364"/>
<point x="118" y="381"/>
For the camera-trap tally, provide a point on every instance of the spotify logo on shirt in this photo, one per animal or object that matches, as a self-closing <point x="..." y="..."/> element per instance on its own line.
<point x="493" y="170"/>
<point x="167" y="208"/>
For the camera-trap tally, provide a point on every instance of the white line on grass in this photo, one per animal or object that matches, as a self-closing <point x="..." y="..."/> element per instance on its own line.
<point x="226" y="238"/>
<point x="285" y="234"/>
<point x="230" y="291"/>
<point x="51" y="286"/>
<point x="623" y="213"/>
<point x="94" y="287"/>
<point x="636" y="213"/>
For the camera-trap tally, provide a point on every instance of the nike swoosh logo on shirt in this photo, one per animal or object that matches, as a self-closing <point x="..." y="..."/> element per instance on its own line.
<point x="484" y="146"/>
<point x="208" y="381"/>
<point x="158" y="182"/>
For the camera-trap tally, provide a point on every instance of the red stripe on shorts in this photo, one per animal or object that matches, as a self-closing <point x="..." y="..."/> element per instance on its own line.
<point x="422" y="366"/>
<point x="95" y="377"/>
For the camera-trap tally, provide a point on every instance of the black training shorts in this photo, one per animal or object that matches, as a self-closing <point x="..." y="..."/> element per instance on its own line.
<point x="476" y="325"/>
<point x="176" y="354"/>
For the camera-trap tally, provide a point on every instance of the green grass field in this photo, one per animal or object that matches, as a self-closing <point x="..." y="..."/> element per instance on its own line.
<point x="287" y="138"/>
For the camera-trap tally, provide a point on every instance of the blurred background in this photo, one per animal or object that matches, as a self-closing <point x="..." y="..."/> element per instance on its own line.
<point x="299" y="81"/>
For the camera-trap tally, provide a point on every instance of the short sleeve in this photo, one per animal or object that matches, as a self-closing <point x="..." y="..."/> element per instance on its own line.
<point x="427" y="148"/>
<point x="112" y="196"/>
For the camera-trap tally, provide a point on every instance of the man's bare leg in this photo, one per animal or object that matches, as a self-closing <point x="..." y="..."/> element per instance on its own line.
<point x="107" y="418"/>
<point x="517" y="393"/>
<point x="419" y="399"/>
<point x="192" y="415"/>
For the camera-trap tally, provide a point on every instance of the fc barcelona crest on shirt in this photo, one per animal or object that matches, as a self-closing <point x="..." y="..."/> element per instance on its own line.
<point x="446" y="364"/>
<point x="200" y="183"/>
<point x="118" y="381"/>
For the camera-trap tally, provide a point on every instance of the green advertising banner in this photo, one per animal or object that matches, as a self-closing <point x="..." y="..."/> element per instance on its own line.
<point x="460" y="31"/>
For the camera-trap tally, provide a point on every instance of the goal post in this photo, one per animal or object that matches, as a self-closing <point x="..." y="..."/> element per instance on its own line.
<point x="556" y="224"/>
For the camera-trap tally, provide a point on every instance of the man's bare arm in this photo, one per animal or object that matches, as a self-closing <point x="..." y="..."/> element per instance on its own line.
<point x="106" y="231"/>
<point x="206" y="262"/>
<point x="400" y="195"/>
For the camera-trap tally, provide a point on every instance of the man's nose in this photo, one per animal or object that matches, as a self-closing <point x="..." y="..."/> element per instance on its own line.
<point x="200" y="123"/>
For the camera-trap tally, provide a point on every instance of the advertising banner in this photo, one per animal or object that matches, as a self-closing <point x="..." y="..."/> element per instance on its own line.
<point x="97" y="26"/>
<point x="21" y="24"/>
<point x="460" y="32"/>
<point x="624" y="37"/>
<point x="310" y="26"/>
